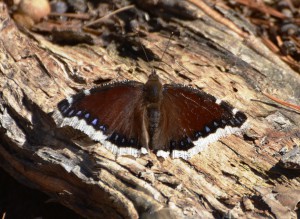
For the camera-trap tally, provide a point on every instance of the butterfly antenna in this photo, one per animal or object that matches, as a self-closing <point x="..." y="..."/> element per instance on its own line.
<point x="152" y="69"/>
<point x="143" y="48"/>
<point x="169" y="40"/>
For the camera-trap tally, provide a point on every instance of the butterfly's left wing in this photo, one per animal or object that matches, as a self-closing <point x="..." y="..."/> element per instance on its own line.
<point x="191" y="119"/>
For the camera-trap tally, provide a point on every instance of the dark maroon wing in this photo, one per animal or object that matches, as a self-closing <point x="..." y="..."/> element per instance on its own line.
<point x="191" y="118"/>
<point x="111" y="114"/>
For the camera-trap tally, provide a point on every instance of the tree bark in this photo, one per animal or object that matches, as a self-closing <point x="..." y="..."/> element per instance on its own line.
<point x="236" y="177"/>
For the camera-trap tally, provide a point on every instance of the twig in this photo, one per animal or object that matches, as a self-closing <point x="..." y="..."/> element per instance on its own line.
<point x="262" y="8"/>
<point x="292" y="106"/>
<point x="108" y="15"/>
<point x="216" y="16"/>
<point x="72" y="15"/>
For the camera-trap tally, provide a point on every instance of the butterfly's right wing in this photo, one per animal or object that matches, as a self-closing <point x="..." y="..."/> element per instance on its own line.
<point x="111" y="114"/>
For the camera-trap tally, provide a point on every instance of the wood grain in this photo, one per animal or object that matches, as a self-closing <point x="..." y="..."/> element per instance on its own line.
<point x="233" y="177"/>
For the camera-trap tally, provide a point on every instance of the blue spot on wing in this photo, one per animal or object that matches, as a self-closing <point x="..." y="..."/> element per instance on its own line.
<point x="71" y="112"/>
<point x="207" y="129"/>
<point x="94" y="122"/>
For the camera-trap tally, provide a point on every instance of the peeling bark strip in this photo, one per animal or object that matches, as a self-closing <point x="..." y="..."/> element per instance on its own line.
<point x="231" y="178"/>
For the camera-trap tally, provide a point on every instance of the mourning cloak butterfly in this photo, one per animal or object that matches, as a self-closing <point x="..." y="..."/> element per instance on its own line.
<point x="130" y="117"/>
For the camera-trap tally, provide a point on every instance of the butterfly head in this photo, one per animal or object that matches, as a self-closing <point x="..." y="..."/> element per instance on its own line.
<point x="153" y="74"/>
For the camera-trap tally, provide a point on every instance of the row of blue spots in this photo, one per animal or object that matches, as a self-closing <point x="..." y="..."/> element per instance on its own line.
<point x="95" y="123"/>
<point x="78" y="113"/>
<point x="71" y="112"/>
<point x="235" y="121"/>
<point x="184" y="143"/>
<point x="187" y="140"/>
<point x="207" y="129"/>
<point x="121" y="140"/>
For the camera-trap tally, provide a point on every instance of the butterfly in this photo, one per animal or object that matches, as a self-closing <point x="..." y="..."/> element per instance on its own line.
<point x="131" y="118"/>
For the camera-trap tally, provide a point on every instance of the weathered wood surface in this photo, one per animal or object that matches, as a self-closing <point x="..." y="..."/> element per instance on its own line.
<point x="237" y="177"/>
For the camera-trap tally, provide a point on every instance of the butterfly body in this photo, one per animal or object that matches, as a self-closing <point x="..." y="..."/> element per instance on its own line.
<point x="130" y="118"/>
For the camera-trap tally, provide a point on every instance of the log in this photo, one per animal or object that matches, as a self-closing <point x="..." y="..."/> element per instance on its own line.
<point x="235" y="177"/>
